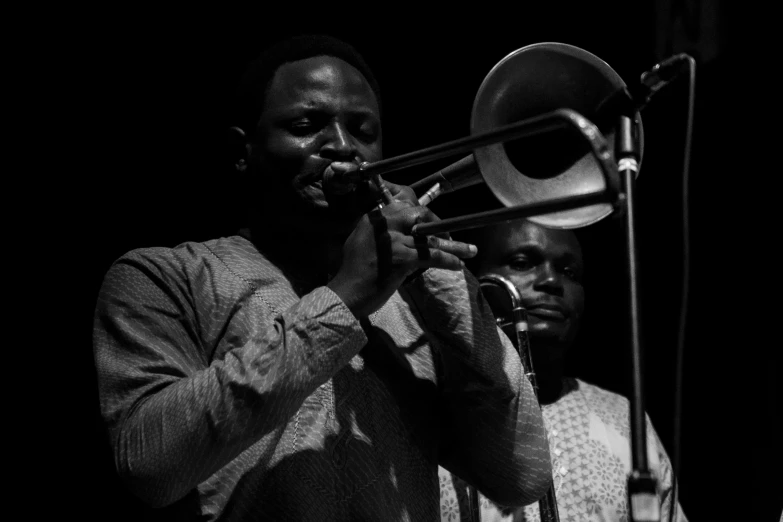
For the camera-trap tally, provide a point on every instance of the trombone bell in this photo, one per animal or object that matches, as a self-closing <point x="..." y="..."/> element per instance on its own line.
<point x="531" y="81"/>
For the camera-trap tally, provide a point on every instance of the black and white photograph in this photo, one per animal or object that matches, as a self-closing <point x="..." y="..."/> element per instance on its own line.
<point x="431" y="262"/>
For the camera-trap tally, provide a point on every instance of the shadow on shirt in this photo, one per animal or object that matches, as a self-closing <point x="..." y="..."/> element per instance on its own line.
<point x="392" y="472"/>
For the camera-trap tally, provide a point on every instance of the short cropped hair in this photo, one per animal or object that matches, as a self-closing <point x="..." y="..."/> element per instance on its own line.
<point x="254" y="86"/>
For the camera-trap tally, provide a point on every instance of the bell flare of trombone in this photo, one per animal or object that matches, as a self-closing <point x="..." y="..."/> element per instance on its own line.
<point x="538" y="135"/>
<point x="536" y="79"/>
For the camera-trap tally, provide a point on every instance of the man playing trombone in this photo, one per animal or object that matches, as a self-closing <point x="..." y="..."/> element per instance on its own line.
<point x="588" y="427"/>
<point x="322" y="363"/>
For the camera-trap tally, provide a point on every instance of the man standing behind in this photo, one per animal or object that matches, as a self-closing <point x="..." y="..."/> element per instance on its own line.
<point x="588" y="427"/>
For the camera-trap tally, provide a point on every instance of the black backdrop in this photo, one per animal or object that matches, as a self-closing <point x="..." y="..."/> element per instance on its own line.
<point x="154" y="87"/>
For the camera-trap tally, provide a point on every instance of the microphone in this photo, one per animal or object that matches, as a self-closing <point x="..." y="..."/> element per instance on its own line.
<point x="630" y="100"/>
<point x="659" y="76"/>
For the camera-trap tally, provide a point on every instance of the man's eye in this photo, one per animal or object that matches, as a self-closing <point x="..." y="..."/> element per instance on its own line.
<point x="571" y="273"/>
<point x="366" y="132"/>
<point x="301" y="127"/>
<point x="520" y="264"/>
<point x="304" y="126"/>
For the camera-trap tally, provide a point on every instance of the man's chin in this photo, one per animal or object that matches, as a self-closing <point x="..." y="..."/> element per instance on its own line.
<point x="550" y="328"/>
<point x="547" y="334"/>
<point x="348" y="206"/>
<point x="332" y="217"/>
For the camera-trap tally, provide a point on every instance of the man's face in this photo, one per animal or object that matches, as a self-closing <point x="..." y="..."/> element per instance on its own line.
<point x="317" y="111"/>
<point x="546" y="267"/>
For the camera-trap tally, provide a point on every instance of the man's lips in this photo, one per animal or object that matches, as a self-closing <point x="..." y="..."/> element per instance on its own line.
<point x="549" y="312"/>
<point x="340" y="178"/>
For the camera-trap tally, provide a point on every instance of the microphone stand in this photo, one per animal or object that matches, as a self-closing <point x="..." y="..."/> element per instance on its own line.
<point x="643" y="501"/>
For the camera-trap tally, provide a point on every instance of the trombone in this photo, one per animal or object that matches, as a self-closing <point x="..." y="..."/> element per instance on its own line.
<point x="534" y="142"/>
<point x="558" y="119"/>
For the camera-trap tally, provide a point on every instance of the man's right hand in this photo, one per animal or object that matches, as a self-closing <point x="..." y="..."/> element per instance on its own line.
<point x="359" y="281"/>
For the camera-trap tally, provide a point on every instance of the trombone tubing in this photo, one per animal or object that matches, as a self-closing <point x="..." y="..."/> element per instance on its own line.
<point x="531" y="126"/>
<point x="491" y="217"/>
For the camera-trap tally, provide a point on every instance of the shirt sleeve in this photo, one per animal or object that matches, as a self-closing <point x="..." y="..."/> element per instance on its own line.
<point x="492" y="429"/>
<point x="175" y="416"/>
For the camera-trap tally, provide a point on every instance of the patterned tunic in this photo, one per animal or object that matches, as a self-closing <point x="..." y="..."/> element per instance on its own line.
<point x="589" y="439"/>
<point x="229" y="397"/>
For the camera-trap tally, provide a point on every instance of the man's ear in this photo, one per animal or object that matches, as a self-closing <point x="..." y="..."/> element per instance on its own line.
<point x="239" y="148"/>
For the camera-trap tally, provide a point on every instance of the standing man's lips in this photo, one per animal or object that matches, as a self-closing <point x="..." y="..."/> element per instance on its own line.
<point x="546" y="311"/>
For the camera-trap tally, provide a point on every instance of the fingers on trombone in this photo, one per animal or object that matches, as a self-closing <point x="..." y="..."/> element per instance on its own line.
<point x="406" y="194"/>
<point x="425" y="215"/>
<point x="435" y="258"/>
<point x="402" y="193"/>
<point x="432" y="251"/>
<point x="457" y="248"/>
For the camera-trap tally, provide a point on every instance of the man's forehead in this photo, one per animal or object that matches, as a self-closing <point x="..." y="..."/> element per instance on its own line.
<point x="319" y="72"/>
<point x="530" y="234"/>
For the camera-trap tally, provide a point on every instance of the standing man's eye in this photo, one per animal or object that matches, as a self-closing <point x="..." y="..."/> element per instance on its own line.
<point x="366" y="132"/>
<point x="521" y="264"/>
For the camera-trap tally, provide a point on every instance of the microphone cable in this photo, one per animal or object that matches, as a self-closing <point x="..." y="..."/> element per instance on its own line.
<point x="686" y="255"/>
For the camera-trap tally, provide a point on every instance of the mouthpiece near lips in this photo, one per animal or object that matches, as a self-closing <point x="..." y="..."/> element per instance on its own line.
<point x="340" y="178"/>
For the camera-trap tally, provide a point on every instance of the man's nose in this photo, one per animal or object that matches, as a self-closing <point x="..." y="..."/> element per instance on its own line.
<point x="549" y="279"/>
<point x="339" y="143"/>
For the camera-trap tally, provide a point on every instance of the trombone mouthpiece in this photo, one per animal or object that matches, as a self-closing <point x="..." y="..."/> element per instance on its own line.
<point x="386" y="196"/>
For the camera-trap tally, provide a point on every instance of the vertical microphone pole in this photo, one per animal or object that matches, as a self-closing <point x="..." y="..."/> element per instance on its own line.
<point x="643" y="501"/>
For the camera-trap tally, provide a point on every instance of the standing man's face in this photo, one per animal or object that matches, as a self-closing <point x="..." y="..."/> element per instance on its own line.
<point x="317" y="111"/>
<point x="546" y="267"/>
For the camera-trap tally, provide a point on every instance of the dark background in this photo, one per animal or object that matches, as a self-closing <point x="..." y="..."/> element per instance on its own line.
<point x="152" y="89"/>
